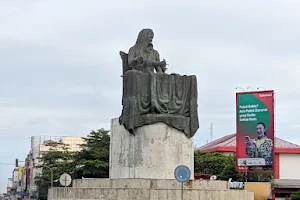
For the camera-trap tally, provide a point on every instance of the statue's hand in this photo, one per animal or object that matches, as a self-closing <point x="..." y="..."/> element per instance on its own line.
<point x="138" y="59"/>
<point x="163" y="63"/>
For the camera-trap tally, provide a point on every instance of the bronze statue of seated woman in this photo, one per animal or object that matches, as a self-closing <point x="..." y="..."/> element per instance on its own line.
<point x="151" y="96"/>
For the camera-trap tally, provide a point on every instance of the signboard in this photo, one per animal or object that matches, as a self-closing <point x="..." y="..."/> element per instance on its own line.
<point x="20" y="173"/>
<point x="65" y="180"/>
<point x="235" y="185"/>
<point x="251" y="162"/>
<point x="15" y="176"/>
<point x="255" y="129"/>
<point x="182" y="174"/>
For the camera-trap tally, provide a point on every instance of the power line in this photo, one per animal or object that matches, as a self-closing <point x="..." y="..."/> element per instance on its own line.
<point x="6" y="164"/>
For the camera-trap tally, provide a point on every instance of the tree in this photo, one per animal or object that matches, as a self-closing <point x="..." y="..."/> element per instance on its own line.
<point x="217" y="164"/>
<point x="60" y="160"/>
<point x="295" y="196"/>
<point x="93" y="160"/>
<point x="230" y="171"/>
<point x="260" y="175"/>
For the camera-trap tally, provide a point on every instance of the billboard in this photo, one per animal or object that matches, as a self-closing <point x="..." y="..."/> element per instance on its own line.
<point x="255" y="129"/>
<point x="20" y="173"/>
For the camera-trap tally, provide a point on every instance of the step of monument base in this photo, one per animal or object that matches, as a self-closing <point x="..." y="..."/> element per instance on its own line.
<point x="149" y="184"/>
<point x="147" y="189"/>
<point x="146" y="194"/>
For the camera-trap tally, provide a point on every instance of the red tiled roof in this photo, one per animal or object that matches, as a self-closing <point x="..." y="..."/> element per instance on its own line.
<point x="228" y="144"/>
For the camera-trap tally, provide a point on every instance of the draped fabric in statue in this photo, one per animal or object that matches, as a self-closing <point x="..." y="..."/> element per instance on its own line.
<point x="149" y="98"/>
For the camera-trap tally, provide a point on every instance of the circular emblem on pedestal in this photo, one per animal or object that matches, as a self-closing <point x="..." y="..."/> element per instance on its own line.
<point x="182" y="174"/>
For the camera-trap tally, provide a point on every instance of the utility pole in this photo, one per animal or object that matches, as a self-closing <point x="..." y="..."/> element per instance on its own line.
<point x="211" y="132"/>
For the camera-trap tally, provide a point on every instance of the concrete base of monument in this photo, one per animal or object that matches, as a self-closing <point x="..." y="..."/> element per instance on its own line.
<point x="147" y="189"/>
<point x="153" y="152"/>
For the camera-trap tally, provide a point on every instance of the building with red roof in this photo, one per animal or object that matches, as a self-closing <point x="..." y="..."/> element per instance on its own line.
<point x="286" y="162"/>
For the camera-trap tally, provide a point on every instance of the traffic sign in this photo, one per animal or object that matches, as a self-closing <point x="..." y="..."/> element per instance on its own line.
<point x="251" y="162"/>
<point x="182" y="174"/>
<point x="65" y="179"/>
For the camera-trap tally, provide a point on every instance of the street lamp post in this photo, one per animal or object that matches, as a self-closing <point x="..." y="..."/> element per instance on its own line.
<point x="51" y="183"/>
<point x="47" y="168"/>
<point x="261" y="88"/>
<point x="246" y="169"/>
<point x="240" y="88"/>
<point x="51" y="175"/>
<point x="249" y="87"/>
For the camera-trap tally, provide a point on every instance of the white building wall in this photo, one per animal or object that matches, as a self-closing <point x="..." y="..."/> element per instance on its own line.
<point x="289" y="165"/>
<point x="15" y="176"/>
<point x="73" y="143"/>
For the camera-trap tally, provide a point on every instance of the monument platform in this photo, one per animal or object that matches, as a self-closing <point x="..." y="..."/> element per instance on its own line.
<point x="145" y="189"/>
<point x="152" y="152"/>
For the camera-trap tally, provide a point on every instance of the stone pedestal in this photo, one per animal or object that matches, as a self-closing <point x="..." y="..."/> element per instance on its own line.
<point x="147" y="189"/>
<point x="152" y="153"/>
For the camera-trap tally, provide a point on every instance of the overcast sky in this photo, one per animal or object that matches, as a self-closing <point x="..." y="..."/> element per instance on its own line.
<point x="60" y="66"/>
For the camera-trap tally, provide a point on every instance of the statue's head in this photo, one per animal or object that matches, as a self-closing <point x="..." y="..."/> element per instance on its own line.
<point x="145" y="37"/>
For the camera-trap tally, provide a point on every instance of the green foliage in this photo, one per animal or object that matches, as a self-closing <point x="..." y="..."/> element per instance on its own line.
<point x="93" y="160"/>
<point x="217" y="164"/>
<point x="230" y="171"/>
<point x="295" y="196"/>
